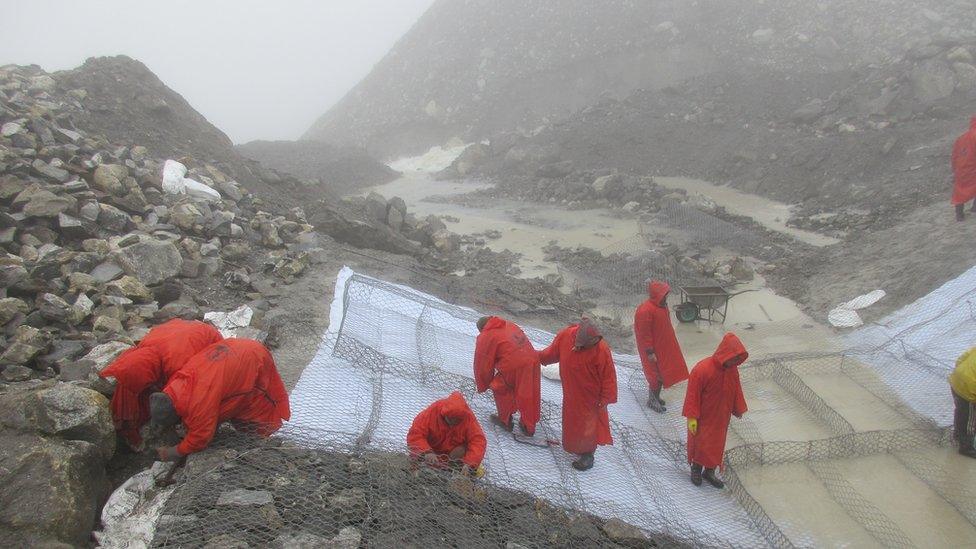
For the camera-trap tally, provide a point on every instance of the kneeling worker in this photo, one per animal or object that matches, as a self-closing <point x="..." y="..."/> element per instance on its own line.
<point x="147" y="367"/>
<point x="963" y="383"/>
<point x="446" y="433"/>
<point x="506" y="363"/>
<point x="235" y="380"/>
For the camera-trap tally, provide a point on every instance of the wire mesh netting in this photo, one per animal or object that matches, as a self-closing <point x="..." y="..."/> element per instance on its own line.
<point x="820" y="425"/>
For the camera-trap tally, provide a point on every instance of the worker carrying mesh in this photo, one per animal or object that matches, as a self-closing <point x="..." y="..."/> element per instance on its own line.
<point x="663" y="363"/>
<point x="147" y="367"/>
<point x="234" y="380"/>
<point x="714" y="395"/>
<point x="506" y="363"/>
<point x="589" y="381"/>
<point x="446" y="434"/>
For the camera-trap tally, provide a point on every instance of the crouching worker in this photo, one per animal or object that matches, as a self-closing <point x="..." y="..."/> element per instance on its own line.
<point x="589" y="380"/>
<point x="447" y="435"/>
<point x="506" y="363"/>
<point x="147" y="367"/>
<point x="963" y="383"/>
<point x="714" y="395"/>
<point x="235" y="380"/>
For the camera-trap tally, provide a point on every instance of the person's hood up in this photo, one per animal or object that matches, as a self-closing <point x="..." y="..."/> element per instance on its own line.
<point x="731" y="348"/>
<point x="587" y="335"/>
<point x="658" y="290"/>
<point x="454" y="406"/>
<point x="494" y="323"/>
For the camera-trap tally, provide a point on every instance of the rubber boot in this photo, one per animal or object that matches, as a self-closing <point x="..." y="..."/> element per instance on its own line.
<point x="696" y="474"/>
<point x="960" y="212"/>
<point x="968" y="452"/>
<point x="654" y="401"/>
<point x="498" y="421"/>
<point x="709" y="475"/>
<point x="584" y="463"/>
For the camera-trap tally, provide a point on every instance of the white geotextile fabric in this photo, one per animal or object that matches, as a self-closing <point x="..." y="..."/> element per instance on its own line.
<point x="914" y="349"/>
<point x="646" y="487"/>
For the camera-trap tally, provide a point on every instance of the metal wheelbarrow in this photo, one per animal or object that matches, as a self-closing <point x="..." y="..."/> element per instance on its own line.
<point x="706" y="303"/>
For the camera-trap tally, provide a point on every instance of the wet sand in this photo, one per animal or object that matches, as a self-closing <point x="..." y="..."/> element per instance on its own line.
<point x="768" y="213"/>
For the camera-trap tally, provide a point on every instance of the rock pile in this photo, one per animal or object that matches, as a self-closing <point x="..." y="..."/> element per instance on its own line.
<point x="430" y="232"/>
<point x="95" y="247"/>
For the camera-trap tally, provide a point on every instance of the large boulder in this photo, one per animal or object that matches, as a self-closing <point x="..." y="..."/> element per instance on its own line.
<point x="109" y="178"/>
<point x="55" y="439"/>
<point x="150" y="261"/>
<point x="50" y="490"/>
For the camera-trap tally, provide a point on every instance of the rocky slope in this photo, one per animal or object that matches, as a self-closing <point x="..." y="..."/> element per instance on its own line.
<point x="477" y="67"/>
<point x="341" y="170"/>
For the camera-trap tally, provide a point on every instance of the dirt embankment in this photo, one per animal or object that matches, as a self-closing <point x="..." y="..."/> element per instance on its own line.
<point x="341" y="170"/>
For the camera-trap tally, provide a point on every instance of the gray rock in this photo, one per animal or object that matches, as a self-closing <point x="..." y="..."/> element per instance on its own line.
<point x="106" y="272"/>
<point x="72" y="412"/>
<point x="15" y="373"/>
<point x="376" y="207"/>
<point x="11" y="275"/>
<point x="151" y="261"/>
<point x="106" y="327"/>
<point x="50" y="490"/>
<point x="48" y="204"/>
<point x="243" y="498"/>
<point x="112" y="218"/>
<point x="50" y="172"/>
<point x="349" y="499"/>
<point x="446" y="241"/>
<point x="10" y="307"/>
<point x="395" y="219"/>
<point x="10" y="129"/>
<point x="109" y="177"/>
<point x="102" y="355"/>
<point x="303" y="540"/>
<point x="27" y="343"/>
<point x="130" y="287"/>
<point x="620" y="531"/>
<point x="965" y="76"/>
<point x="959" y="55"/>
<point x="53" y="308"/>
<point x="226" y="541"/>
<point x="348" y="538"/>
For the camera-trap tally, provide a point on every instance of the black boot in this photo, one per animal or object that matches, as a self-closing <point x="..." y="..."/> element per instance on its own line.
<point x="696" y="474"/>
<point x="967" y="451"/>
<point x="709" y="475"/>
<point x="498" y="421"/>
<point x="525" y="430"/>
<point x="584" y="463"/>
<point x="960" y="212"/>
<point x="654" y="401"/>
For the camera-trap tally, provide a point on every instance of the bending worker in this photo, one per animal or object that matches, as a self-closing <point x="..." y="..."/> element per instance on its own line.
<point x="147" y="367"/>
<point x="964" y="171"/>
<point x="234" y="380"/>
<point x="714" y="395"/>
<point x="589" y="384"/>
<point x="657" y="345"/>
<point x="963" y="383"/>
<point x="506" y="363"/>
<point x="446" y="433"/>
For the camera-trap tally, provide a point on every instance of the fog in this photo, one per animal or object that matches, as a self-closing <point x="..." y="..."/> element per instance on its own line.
<point x="256" y="69"/>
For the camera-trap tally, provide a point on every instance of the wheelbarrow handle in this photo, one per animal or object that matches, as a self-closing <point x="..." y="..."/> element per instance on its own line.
<point x="743" y="292"/>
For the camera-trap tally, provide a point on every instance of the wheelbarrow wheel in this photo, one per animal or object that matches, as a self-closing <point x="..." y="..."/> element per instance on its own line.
<point x="687" y="312"/>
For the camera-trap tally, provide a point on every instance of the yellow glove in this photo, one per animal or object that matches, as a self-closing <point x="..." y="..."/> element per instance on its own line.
<point x="479" y="472"/>
<point x="693" y="425"/>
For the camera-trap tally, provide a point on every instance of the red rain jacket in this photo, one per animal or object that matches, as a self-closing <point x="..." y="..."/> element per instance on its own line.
<point x="655" y="333"/>
<point x="589" y="384"/>
<point x="714" y="394"/>
<point x="234" y="380"/>
<point x="964" y="166"/>
<point x="147" y="367"/>
<point x="506" y="363"/>
<point x="430" y="433"/>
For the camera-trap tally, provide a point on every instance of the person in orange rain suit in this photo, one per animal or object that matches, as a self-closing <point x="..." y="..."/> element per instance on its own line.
<point x="506" y="363"/>
<point x="589" y="384"/>
<point x="660" y="354"/>
<point x="964" y="171"/>
<point x="145" y="369"/>
<point x="445" y="433"/>
<point x="714" y="395"/>
<point x="234" y="380"/>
